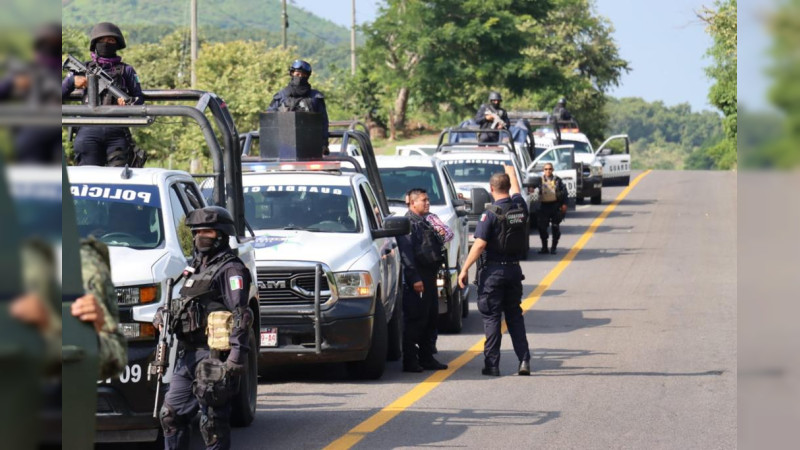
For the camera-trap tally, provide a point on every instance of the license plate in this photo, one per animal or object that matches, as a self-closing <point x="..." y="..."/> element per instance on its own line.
<point x="269" y="337"/>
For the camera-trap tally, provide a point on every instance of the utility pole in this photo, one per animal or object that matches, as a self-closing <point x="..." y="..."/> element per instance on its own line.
<point x="353" y="42"/>
<point x="284" y="22"/>
<point x="193" y="20"/>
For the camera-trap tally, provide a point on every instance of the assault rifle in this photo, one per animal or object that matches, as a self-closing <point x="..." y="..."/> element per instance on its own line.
<point x="104" y="81"/>
<point x="496" y="119"/>
<point x="160" y="363"/>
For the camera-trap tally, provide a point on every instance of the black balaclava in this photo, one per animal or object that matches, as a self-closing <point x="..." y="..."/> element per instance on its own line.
<point x="106" y="49"/>
<point x="299" y="86"/>
<point x="208" y="246"/>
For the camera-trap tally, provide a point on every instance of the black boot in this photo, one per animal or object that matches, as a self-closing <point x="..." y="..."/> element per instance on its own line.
<point x="553" y="248"/>
<point x="544" y="250"/>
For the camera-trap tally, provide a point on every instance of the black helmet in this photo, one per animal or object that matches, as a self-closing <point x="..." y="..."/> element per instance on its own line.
<point x="300" y="65"/>
<point x="104" y="29"/>
<point x="562" y="101"/>
<point x="494" y="95"/>
<point x="211" y="217"/>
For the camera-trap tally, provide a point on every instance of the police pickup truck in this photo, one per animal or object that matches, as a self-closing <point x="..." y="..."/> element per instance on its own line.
<point x="139" y="214"/>
<point x="401" y="173"/>
<point x="327" y="259"/>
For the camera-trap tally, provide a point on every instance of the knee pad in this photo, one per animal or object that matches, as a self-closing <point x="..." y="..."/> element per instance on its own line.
<point x="169" y="420"/>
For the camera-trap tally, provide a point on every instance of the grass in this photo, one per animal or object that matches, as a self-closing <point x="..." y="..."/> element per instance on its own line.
<point x="387" y="147"/>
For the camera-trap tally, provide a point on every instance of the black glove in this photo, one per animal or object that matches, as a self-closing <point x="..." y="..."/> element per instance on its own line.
<point x="233" y="367"/>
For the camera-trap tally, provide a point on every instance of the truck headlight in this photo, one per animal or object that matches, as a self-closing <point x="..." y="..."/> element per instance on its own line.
<point x="597" y="170"/>
<point x="354" y="284"/>
<point x="137" y="295"/>
<point x="138" y="331"/>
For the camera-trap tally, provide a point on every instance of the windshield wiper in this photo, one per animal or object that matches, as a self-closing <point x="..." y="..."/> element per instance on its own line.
<point x="293" y="227"/>
<point x="395" y="200"/>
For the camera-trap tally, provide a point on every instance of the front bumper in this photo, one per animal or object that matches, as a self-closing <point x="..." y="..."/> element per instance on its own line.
<point x="592" y="187"/>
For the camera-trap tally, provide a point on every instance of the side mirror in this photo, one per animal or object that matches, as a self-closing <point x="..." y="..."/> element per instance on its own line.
<point x="480" y="197"/>
<point x="532" y="181"/>
<point x="393" y="226"/>
<point x="461" y="211"/>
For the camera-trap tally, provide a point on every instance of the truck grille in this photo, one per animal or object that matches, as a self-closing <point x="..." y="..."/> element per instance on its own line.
<point x="290" y="287"/>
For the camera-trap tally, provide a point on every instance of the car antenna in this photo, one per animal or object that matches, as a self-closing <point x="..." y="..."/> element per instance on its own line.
<point x="126" y="173"/>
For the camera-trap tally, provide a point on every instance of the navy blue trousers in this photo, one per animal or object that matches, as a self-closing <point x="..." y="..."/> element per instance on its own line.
<point x="93" y="144"/>
<point x="500" y="292"/>
<point x="419" y="319"/>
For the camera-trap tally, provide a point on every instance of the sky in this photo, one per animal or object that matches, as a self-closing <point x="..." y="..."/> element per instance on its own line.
<point x="663" y="41"/>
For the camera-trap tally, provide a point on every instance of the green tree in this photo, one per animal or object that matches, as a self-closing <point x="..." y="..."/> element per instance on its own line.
<point x="721" y="25"/>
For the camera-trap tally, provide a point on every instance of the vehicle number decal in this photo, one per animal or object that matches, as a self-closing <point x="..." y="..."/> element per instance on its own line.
<point x="131" y="374"/>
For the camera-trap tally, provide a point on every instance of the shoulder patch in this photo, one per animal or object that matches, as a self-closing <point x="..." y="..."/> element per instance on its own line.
<point x="236" y="282"/>
<point x="483" y="217"/>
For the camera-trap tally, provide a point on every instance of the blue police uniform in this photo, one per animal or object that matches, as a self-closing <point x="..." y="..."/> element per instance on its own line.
<point x="93" y="145"/>
<point x="480" y="119"/>
<point x="316" y="103"/>
<point x="500" y="290"/>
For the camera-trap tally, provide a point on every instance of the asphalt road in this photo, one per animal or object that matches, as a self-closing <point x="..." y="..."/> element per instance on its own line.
<point x="633" y="343"/>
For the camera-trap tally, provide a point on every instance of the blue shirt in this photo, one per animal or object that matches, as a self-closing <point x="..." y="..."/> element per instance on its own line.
<point x="488" y="229"/>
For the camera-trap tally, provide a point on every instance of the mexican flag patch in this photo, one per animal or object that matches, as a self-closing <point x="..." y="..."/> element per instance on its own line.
<point x="236" y="282"/>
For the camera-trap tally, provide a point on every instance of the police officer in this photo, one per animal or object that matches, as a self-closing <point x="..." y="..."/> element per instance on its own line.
<point x="501" y="233"/>
<point x="492" y="116"/>
<point x="560" y="112"/>
<point x="421" y="255"/>
<point x="101" y="146"/>
<point x="220" y="282"/>
<point x="299" y="96"/>
<point x="552" y="198"/>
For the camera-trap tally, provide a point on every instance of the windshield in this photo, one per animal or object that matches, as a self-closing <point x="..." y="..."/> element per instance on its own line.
<point x="119" y="215"/>
<point x="474" y="170"/>
<point x="326" y="209"/>
<point x="397" y="181"/>
<point x="580" y="147"/>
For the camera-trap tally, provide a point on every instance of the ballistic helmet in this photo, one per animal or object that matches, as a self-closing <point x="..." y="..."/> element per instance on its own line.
<point x="300" y="65"/>
<point x="494" y="95"/>
<point x="104" y="29"/>
<point x="211" y="218"/>
<point x="562" y="101"/>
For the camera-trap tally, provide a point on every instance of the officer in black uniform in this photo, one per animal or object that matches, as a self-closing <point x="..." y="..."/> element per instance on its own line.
<point x="486" y="115"/>
<point x="421" y="255"/>
<point x="299" y="96"/>
<point x="560" y="112"/>
<point x="501" y="232"/>
<point x="553" y="206"/>
<point x="220" y="282"/>
<point x="101" y="146"/>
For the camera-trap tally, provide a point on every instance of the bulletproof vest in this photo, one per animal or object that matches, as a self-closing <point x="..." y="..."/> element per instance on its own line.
<point x="116" y="72"/>
<point x="512" y="218"/>
<point x="548" y="191"/>
<point x="292" y="104"/>
<point x="429" y="252"/>
<point x="198" y="300"/>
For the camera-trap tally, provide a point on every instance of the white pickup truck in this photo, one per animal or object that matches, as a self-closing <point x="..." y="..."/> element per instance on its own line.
<point x="139" y="214"/>
<point x="401" y="173"/>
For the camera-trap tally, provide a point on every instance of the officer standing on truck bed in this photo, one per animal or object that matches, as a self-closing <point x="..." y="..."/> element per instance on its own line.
<point x="219" y="282"/>
<point x="300" y="96"/>
<point x="552" y="198"/>
<point x="421" y="255"/>
<point x="491" y="116"/>
<point x="101" y="146"/>
<point x="501" y="232"/>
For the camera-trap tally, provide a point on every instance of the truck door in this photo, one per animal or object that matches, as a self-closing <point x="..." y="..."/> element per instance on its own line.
<point x="562" y="158"/>
<point x="615" y="155"/>
<point x="384" y="247"/>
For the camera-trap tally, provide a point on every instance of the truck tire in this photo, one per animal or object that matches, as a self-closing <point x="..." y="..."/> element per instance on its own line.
<point x="598" y="199"/>
<point x="395" y="329"/>
<point x="244" y="404"/>
<point x="450" y="322"/>
<point x="372" y="367"/>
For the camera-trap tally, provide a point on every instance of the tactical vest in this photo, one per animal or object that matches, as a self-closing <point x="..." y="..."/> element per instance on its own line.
<point x="198" y="300"/>
<point x="513" y="221"/>
<point x="429" y="252"/>
<point x="116" y="72"/>
<point x="300" y="104"/>
<point x="549" y="191"/>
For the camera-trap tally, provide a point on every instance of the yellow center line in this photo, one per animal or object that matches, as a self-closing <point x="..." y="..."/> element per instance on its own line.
<point x="423" y="388"/>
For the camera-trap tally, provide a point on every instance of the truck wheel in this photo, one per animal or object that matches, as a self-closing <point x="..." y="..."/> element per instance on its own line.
<point x="597" y="199"/>
<point x="244" y="404"/>
<point x="372" y="367"/>
<point x="395" y="328"/>
<point x="450" y="322"/>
